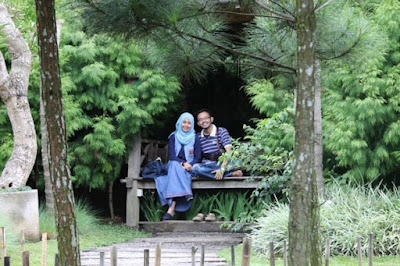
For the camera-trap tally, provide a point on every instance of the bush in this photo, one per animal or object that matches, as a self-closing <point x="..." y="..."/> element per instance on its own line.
<point x="86" y="219"/>
<point x="348" y="213"/>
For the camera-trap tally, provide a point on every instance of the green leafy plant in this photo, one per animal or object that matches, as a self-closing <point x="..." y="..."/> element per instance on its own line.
<point x="151" y="207"/>
<point x="348" y="213"/>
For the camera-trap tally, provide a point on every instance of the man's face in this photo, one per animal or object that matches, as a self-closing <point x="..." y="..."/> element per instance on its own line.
<point x="204" y="120"/>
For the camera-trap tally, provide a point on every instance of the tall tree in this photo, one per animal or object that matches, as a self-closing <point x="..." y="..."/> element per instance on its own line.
<point x="67" y="237"/>
<point x="304" y="210"/>
<point x="14" y="94"/>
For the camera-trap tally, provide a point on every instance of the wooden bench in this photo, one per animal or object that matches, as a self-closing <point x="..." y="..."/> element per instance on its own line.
<point x="148" y="149"/>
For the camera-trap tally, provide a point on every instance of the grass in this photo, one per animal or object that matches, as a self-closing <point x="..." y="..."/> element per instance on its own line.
<point x="334" y="261"/>
<point x="101" y="235"/>
<point x="91" y="232"/>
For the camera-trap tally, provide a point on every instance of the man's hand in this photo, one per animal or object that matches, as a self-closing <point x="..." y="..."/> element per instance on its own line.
<point x="219" y="174"/>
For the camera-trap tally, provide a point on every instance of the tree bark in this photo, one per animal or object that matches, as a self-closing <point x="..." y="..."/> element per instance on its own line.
<point x="48" y="189"/>
<point x="304" y="208"/>
<point x="110" y="200"/>
<point x="318" y="148"/>
<point x="67" y="233"/>
<point x="14" y="94"/>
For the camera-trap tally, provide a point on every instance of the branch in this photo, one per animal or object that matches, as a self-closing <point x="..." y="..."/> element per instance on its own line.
<point x="273" y="11"/>
<point x="322" y="6"/>
<point x="244" y="14"/>
<point x="18" y="48"/>
<point x="347" y="51"/>
<point x="281" y="6"/>
<point x="267" y="60"/>
<point x="254" y="66"/>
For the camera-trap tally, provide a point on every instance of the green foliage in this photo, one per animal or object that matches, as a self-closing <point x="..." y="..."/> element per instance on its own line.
<point x="349" y="212"/>
<point x="87" y="219"/>
<point x="151" y="207"/>
<point x="111" y="92"/>
<point x="361" y="110"/>
<point x="267" y="151"/>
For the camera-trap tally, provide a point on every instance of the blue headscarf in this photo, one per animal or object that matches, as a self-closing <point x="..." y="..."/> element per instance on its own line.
<point x="184" y="137"/>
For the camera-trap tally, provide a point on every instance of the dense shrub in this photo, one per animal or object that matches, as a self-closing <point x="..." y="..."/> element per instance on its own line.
<point x="349" y="212"/>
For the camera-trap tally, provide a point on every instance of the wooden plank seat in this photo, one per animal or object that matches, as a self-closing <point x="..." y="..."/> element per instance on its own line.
<point x="143" y="150"/>
<point x="202" y="183"/>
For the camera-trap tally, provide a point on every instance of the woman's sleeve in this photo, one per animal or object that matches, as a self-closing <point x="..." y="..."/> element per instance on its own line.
<point x="171" y="150"/>
<point x="197" y="151"/>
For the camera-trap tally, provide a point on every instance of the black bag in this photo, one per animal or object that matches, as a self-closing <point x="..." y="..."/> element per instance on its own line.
<point x="153" y="169"/>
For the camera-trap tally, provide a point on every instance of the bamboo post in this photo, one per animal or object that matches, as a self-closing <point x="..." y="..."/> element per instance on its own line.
<point x="44" y="248"/>
<point x="370" y="249"/>
<point x="56" y="260"/>
<point x="327" y="252"/>
<point x="146" y="259"/>
<point x="284" y="253"/>
<point x="271" y="254"/>
<point x="113" y="256"/>
<point x="194" y="256"/>
<point x="202" y="257"/>
<point x="359" y="251"/>
<point x="102" y="256"/>
<point x="246" y="251"/>
<point x="25" y="258"/>
<point x="3" y="243"/>
<point x="7" y="261"/>
<point x="157" y="258"/>
<point x="22" y="241"/>
<point x="233" y="255"/>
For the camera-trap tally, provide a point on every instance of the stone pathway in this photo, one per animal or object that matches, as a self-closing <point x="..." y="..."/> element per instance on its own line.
<point x="176" y="249"/>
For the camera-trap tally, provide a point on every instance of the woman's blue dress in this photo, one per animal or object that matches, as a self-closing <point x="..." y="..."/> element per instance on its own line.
<point x="177" y="184"/>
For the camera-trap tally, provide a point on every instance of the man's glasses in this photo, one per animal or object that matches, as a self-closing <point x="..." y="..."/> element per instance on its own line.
<point x="203" y="119"/>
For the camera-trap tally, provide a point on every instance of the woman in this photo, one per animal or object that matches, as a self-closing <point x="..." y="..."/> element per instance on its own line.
<point x="184" y="150"/>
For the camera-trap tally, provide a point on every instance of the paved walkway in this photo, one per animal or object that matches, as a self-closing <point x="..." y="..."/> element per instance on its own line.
<point x="176" y="249"/>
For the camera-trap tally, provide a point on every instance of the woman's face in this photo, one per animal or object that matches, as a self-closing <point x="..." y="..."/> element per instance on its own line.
<point x="186" y="125"/>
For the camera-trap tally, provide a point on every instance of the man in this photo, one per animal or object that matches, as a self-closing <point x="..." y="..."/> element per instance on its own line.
<point x="214" y="141"/>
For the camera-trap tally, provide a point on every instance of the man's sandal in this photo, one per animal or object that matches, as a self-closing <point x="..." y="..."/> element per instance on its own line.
<point x="198" y="218"/>
<point x="210" y="217"/>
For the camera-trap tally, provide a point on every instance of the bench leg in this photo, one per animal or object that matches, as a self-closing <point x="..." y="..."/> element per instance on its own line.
<point x="132" y="206"/>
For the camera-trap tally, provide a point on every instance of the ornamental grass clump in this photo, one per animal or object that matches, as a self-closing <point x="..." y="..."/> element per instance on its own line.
<point x="348" y="213"/>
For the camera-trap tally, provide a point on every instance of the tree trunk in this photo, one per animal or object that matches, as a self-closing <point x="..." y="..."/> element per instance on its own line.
<point x="110" y="199"/>
<point x="48" y="189"/>
<point x="318" y="132"/>
<point x="304" y="209"/>
<point x="14" y="94"/>
<point x="67" y="233"/>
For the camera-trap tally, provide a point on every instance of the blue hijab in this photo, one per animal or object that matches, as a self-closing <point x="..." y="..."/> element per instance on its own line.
<point x="183" y="138"/>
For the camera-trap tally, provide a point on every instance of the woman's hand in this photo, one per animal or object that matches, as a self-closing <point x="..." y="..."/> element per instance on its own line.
<point x="187" y="166"/>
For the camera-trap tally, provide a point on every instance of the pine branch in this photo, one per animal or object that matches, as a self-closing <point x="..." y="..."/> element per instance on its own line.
<point x="255" y="66"/>
<point x="323" y="5"/>
<point x="273" y="11"/>
<point x="267" y="60"/>
<point x="243" y="14"/>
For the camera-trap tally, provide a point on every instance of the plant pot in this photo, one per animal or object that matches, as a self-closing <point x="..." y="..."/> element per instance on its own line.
<point x="21" y="210"/>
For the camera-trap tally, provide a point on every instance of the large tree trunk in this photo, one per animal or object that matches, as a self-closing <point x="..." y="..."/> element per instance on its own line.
<point x="318" y="132"/>
<point x="48" y="189"/>
<point x="67" y="233"/>
<point x="304" y="209"/>
<point x="14" y="94"/>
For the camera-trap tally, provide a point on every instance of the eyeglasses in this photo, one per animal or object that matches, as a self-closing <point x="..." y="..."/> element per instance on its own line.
<point x="203" y="119"/>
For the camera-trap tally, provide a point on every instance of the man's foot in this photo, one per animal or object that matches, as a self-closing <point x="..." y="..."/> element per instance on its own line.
<point x="198" y="218"/>
<point x="237" y="173"/>
<point x="210" y="217"/>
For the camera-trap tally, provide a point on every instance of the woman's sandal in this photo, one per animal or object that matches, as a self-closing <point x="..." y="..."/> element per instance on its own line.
<point x="198" y="218"/>
<point x="210" y="217"/>
<point x="166" y="217"/>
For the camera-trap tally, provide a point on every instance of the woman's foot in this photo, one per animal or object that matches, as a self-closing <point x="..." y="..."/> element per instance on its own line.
<point x="237" y="173"/>
<point x="167" y="217"/>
